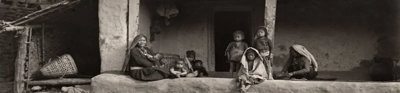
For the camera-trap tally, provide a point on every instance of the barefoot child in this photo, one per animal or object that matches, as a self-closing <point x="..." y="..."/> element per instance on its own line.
<point x="235" y="49"/>
<point x="264" y="46"/>
<point x="252" y="70"/>
<point x="178" y="70"/>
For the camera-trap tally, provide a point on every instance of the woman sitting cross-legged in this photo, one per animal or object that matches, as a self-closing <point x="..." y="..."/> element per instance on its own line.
<point x="143" y="63"/>
<point x="300" y="65"/>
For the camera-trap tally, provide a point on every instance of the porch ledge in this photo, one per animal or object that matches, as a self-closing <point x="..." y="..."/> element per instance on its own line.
<point x="114" y="83"/>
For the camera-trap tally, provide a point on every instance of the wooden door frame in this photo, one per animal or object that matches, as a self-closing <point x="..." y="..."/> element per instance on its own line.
<point x="210" y="32"/>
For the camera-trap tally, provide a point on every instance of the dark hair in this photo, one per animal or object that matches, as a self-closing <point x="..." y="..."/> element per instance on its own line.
<point x="198" y="61"/>
<point x="177" y="60"/>
<point x="240" y="32"/>
<point x="191" y="52"/>
<point x="263" y="28"/>
<point x="250" y="51"/>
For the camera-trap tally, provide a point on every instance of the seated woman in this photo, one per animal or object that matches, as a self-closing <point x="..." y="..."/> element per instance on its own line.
<point x="252" y="70"/>
<point x="144" y="63"/>
<point x="301" y="64"/>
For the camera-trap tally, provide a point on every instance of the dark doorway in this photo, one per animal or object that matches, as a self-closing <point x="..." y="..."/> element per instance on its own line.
<point x="225" y="23"/>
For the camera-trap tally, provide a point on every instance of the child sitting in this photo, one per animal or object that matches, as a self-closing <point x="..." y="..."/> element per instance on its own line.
<point x="190" y="60"/>
<point x="235" y="49"/>
<point x="198" y="67"/>
<point x="253" y="69"/>
<point x="178" y="70"/>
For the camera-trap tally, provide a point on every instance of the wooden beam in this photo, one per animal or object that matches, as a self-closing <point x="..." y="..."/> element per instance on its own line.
<point x="64" y="81"/>
<point x="20" y="60"/>
<point x="11" y="28"/>
<point x="43" y="12"/>
<point x="269" y="22"/>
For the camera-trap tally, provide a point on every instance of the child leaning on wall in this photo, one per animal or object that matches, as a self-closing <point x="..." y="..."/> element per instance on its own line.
<point x="235" y="50"/>
<point x="264" y="45"/>
<point x="195" y="67"/>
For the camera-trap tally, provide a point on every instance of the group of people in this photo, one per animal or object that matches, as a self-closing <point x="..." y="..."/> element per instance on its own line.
<point x="144" y="64"/>
<point x="253" y="64"/>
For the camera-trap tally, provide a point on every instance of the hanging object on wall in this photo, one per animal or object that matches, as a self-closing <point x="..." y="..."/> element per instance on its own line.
<point x="155" y="28"/>
<point x="168" y="10"/>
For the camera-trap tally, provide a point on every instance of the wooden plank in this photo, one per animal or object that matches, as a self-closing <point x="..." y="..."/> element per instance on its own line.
<point x="20" y="60"/>
<point x="64" y="81"/>
<point x="43" y="12"/>
<point x="133" y="26"/>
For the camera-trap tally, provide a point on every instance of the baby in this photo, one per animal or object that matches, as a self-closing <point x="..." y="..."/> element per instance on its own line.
<point x="178" y="70"/>
<point x="198" y="67"/>
<point x="235" y="49"/>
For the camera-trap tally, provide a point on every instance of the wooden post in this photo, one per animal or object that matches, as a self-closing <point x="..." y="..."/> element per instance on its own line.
<point x="269" y="22"/>
<point x="269" y="17"/>
<point x="20" y="60"/>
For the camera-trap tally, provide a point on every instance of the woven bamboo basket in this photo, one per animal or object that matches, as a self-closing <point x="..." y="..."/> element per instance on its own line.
<point x="61" y="66"/>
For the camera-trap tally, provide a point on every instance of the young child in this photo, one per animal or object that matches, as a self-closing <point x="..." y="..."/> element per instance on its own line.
<point x="198" y="67"/>
<point x="178" y="70"/>
<point x="252" y="69"/>
<point x="235" y="49"/>
<point x="195" y="67"/>
<point x="264" y="45"/>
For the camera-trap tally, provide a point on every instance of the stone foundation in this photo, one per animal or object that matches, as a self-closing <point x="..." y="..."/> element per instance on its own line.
<point x="113" y="83"/>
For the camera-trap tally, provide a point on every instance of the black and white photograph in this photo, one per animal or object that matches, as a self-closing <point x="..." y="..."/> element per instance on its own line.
<point x="199" y="46"/>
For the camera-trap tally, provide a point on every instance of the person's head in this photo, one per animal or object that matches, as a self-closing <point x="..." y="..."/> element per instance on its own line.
<point x="238" y="35"/>
<point x="191" y="55"/>
<point x="293" y="52"/>
<point x="179" y="64"/>
<point x="262" y="32"/>
<point x="140" y="41"/>
<point x="198" y="63"/>
<point x="251" y="55"/>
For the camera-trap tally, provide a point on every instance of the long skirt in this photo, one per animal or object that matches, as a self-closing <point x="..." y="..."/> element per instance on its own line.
<point x="309" y="76"/>
<point x="150" y="74"/>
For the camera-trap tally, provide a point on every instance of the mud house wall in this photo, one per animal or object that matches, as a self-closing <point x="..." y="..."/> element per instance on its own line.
<point x="145" y="17"/>
<point x="68" y="34"/>
<point x="342" y="35"/>
<point x="76" y="31"/>
<point x="191" y="29"/>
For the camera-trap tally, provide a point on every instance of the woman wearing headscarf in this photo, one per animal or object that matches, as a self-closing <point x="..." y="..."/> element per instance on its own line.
<point x="301" y="64"/>
<point x="253" y="70"/>
<point x="143" y="64"/>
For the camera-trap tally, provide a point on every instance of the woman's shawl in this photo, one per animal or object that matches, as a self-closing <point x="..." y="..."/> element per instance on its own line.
<point x="259" y="71"/>
<point x="303" y="51"/>
<point x="125" y="66"/>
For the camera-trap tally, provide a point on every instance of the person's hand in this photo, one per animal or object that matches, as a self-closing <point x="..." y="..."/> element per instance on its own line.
<point x="283" y="75"/>
<point x="289" y="74"/>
